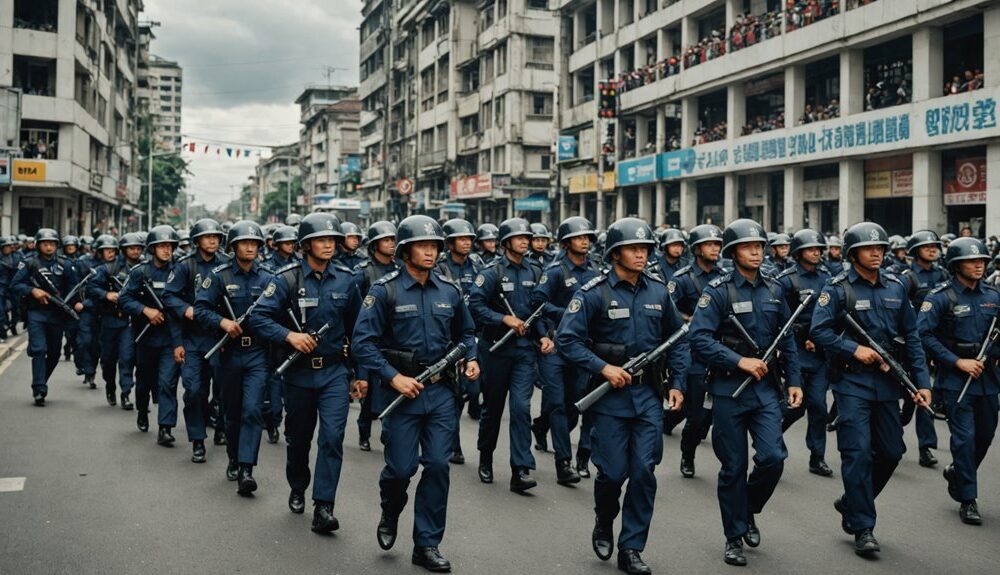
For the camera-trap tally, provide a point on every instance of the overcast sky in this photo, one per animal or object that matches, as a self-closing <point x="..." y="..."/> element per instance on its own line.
<point x="245" y="62"/>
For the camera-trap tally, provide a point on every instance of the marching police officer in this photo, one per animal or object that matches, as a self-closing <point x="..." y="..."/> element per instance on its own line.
<point x="347" y="250"/>
<point x="869" y="433"/>
<point x="671" y="256"/>
<point x="561" y="381"/>
<point x="738" y="315"/>
<point x="541" y="237"/>
<point x="158" y="344"/>
<point x="9" y="258"/>
<point x="284" y="238"/>
<point x="807" y="277"/>
<point x="778" y="259"/>
<point x="954" y="320"/>
<point x="118" y="357"/>
<point x="685" y="287"/>
<point x="231" y="289"/>
<point x="895" y="261"/>
<point x="70" y="246"/>
<point x="834" y="255"/>
<point x="381" y="246"/>
<point x="38" y="280"/>
<point x="187" y="277"/>
<point x="324" y="302"/>
<point x="486" y="244"/>
<point x="500" y="301"/>
<point x="409" y="320"/>
<point x="625" y="312"/>
<point x="919" y="277"/>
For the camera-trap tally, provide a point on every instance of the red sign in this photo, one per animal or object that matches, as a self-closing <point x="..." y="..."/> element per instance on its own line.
<point x="404" y="187"/>
<point x="471" y="187"/>
<point x="969" y="185"/>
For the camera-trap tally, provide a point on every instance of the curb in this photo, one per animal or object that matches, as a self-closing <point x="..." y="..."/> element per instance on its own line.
<point x="7" y="348"/>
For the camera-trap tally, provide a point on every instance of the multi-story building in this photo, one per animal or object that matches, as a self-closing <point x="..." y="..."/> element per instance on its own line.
<point x="277" y="173"/>
<point x="75" y="63"/>
<point x="816" y="114"/>
<point x="159" y="94"/>
<point x="464" y="94"/>
<point x="328" y="140"/>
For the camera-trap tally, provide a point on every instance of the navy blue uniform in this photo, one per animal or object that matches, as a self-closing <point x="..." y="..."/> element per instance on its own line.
<point x="608" y="321"/>
<point x="463" y="275"/>
<point x="117" y="340"/>
<point x="349" y="260"/>
<point x="189" y="274"/>
<point x="365" y="274"/>
<point x="400" y="316"/>
<point x="797" y="283"/>
<point x="86" y="344"/>
<point x="8" y="301"/>
<point x="870" y="434"/>
<point x="243" y="361"/>
<point x="274" y="399"/>
<point x="316" y="385"/>
<point x="45" y="322"/>
<point x="953" y="321"/>
<point x="512" y="367"/>
<point x="665" y="269"/>
<point x="760" y="307"/>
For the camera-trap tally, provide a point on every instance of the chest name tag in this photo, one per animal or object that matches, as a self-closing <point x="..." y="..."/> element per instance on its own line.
<point x="406" y="308"/>
<point x="159" y="285"/>
<point x="619" y="313"/>
<point x="305" y="302"/>
<point x="528" y="283"/>
<point x="507" y="286"/>
<point x="232" y="288"/>
<point x="335" y="295"/>
<point x="960" y="310"/>
<point x="863" y="305"/>
<point x="570" y="282"/>
<point x="743" y="307"/>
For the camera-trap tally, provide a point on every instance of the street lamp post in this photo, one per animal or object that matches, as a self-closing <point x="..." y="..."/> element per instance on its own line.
<point x="149" y="183"/>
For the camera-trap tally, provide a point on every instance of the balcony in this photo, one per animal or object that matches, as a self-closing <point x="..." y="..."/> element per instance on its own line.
<point x="469" y="143"/>
<point x="372" y="82"/>
<point x="430" y="160"/>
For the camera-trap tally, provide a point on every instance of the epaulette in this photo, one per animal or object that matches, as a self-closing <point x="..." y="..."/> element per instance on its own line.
<point x="362" y="265"/>
<point x="492" y="263"/>
<point x="684" y="270"/>
<point x="218" y="269"/>
<point x="387" y="277"/>
<point x="940" y="287"/>
<point x="822" y="267"/>
<point x="786" y="272"/>
<point x="595" y="281"/>
<point x="720" y="280"/>
<point x="653" y="276"/>
<point x="341" y="267"/>
<point x="186" y="257"/>
<point x="893" y="277"/>
<point x="838" y="278"/>
<point x="445" y="279"/>
<point x="286" y="268"/>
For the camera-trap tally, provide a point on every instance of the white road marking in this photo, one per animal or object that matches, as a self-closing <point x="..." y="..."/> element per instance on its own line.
<point x="11" y="484"/>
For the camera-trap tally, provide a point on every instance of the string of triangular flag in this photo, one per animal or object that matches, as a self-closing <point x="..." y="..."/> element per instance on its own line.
<point x="229" y="151"/>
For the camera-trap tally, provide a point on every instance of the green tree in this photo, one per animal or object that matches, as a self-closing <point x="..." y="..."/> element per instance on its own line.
<point x="276" y="202"/>
<point x="169" y="172"/>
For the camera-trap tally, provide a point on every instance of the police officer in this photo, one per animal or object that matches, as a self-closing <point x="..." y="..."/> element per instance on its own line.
<point x="9" y="258"/>
<point x="160" y="349"/>
<point x="37" y="278"/>
<point x="954" y="320"/>
<point x="381" y="246"/>
<point x="197" y="378"/>
<point x="500" y="300"/>
<point x="347" y="250"/>
<point x="919" y="277"/>
<point x="410" y="319"/>
<point x="807" y="277"/>
<point x="293" y="220"/>
<point x="562" y="382"/>
<point x="184" y="246"/>
<point x="232" y="288"/>
<point x="686" y="286"/>
<point x="869" y="434"/>
<point x="778" y="259"/>
<point x="541" y="238"/>
<point x="625" y="312"/>
<point x="457" y="265"/>
<point x="284" y="241"/>
<point x="88" y="352"/>
<point x="671" y="256"/>
<point x="70" y="246"/>
<point x="895" y="260"/>
<point x="322" y="296"/>
<point x="745" y="300"/>
<point x="834" y="255"/>
<point x="486" y="244"/>
<point x="284" y="238"/>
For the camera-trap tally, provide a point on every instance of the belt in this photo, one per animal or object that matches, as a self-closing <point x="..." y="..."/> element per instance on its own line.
<point x="320" y="361"/>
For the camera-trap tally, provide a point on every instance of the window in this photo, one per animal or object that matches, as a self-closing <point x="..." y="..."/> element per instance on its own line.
<point x="427" y="34"/>
<point x="36" y="14"/>
<point x="165" y="109"/>
<point x="35" y="76"/>
<point x="470" y="125"/>
<point x="537" y="159"/>
<point x="442" y="76"/>
<point x="38" y="139"/>
<point x="427" y="89"/>
<point x="501" y="55"/>
<point x="538" y="4"/>
<point x="498" y="111"/>
<point x="470" y="80"/>
<point x="541" y="104"/>
<point x="540" y="52"/>
<point x="427" y="140"/>
<point x="501" y="9"/>
<point x="486" y="68"/>
<point x="484" y="162"/>
<point x="487" y="115"/>
<point x="486" y="17"/>
<point x="500" y="159"/>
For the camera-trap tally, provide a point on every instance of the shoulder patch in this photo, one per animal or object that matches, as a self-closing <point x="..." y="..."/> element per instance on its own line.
<point x="170" y="276"/>
<point x="20" y="265"/>
<point x="574" y="305"/>
<point x="671" y="286"/>
<point x="544" y="279"/>
<point x="480" y="280"/>
<point x="270" y="289"/>
<point x="824" y="299"/>
<point x="704" y="300"/>
<point x="926" y="306"/>
<point x="207" y="283"/>
<point x="368" y="302"/>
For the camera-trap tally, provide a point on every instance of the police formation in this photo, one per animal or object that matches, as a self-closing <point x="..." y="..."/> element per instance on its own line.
<point x="626" y="332"/>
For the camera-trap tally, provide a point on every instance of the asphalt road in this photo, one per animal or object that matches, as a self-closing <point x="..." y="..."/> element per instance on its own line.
<point x="101" y="497"/>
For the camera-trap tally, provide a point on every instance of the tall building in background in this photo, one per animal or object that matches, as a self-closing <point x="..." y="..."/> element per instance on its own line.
<point x="329" y="149"/>
<point x="159" y="93"/>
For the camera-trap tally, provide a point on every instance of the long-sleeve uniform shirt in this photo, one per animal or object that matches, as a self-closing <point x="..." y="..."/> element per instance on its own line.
<point x="136" y="297"/>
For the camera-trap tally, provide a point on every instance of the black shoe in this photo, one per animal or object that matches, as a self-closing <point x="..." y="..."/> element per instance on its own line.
<point x="520" y="481"/>
<point x="457" y="458"/>
<point x="582" y="469"/>
<point x="219" y="438"/>
<point x="39" y="400"/>
<point x="565" y="475"/>
<point x="927" y="458"/>
<point x="734" y="553"/>
<point x="687" y="466"/>
<point x="752" y="536"/>
<point x="541" y="436"/>
<point x="818" y="466"/>
<point x="110" y="396"/>
<point x="245" y="483"/>
<point x="486" y="468"/>
<point x="126" y="403"/>
<point x="198" y="452"/>
<point x="630" y="562"/>
<point x="430" y="559"/>
<point x="602" y="539"/>
<point x="969" y="512"/>
<point x="949" y="476"/>
<point x="164" y="437"/>
<point x="273" y="435"/>
<point x="232" y="470"/>
<point x="296" y="502"/>
<point x="89" y="380"/>
<point x="386" y="532"/>
<point x="364" y="444"/>
<point x="841" y="506"/>
<point x="865" y="543"/>
<point x="323" y="519"/>
<point x="142" y="421"/>
<point x="13" y="330"/>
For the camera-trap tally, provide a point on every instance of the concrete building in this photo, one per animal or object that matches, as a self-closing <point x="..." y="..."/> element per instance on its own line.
<point x="738" y="108"/>
<point x="277" y="173"/>
<point x="159" y="94"/>
<point x="75" y="63"/>
<point x="328" y="142"/>
<point x="464" y="93"/>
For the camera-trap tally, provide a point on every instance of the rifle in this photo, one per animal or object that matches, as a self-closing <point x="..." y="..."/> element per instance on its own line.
<point x="634" y="368"/>
<point x="156" y="303"/>
<point x="317" y="335"/>
<point x="431" y="372"/>
<point x="895" y="369"/>
<point x="79" y="285"/>
<point x="239" y="321"/>
<point x="511" y="332"/>
<point x="991" y="337"/>
<point x="773" y="349"/>
<point x="53" y="294"/>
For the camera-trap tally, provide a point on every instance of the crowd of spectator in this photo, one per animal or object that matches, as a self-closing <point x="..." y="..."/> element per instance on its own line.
<point x="712" y="134"/>
<point x="749" y="30"/>
<point x="802" y="13"/>
<point x="820" y="112"/>
<point x="706" y="49"/>
<point x="39" y="150"/>
<point x="889" y="86"/>
<point x="764" y="124"/>
<point x="648" y="74"/>
<point x="969" y="81"/>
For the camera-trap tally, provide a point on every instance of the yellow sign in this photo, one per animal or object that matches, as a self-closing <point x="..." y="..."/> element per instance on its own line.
<point x="29" y="171"/>
<point x="588" y="183"/>
<point x="878" y="184"/>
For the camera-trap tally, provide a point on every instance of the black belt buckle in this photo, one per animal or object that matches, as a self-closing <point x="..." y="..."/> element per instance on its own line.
<point x="246" y="341"/>
<point x="317" y="363"/>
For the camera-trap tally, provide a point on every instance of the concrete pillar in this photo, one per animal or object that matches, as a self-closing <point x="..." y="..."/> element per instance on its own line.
<point x="689" y="204"/>
<point x="646" y="204"/>
<point x="620" y="204"/>
<point x="991" y="45"/>
<point x="928" y="64"/>
<point x="661" y="131"/>
<point x="731" y="198"/>
<point x="660" y="210"/>
<point x="851" y="197"/>
<point x="689" y="120"/>
<point x="736" y="110"/>
<point x="852" y="83"/>
<point x="795" y="94"/>
<point x="813" y="212"/>
<point x="794" y="204"/>
<point x="733" y="9"/>
<point x="928" y="196"/>
<point x="689" y="32"/>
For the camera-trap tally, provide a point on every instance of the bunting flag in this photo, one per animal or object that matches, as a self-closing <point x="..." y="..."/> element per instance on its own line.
<point x="231" y="152"/>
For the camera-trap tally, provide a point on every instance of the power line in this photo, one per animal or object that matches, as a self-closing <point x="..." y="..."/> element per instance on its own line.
<point x="209" y="140"/>
<point x="254" y="62"/>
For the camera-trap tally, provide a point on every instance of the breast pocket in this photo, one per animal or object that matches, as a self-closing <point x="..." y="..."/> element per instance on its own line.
<point x="772" y="314"/>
